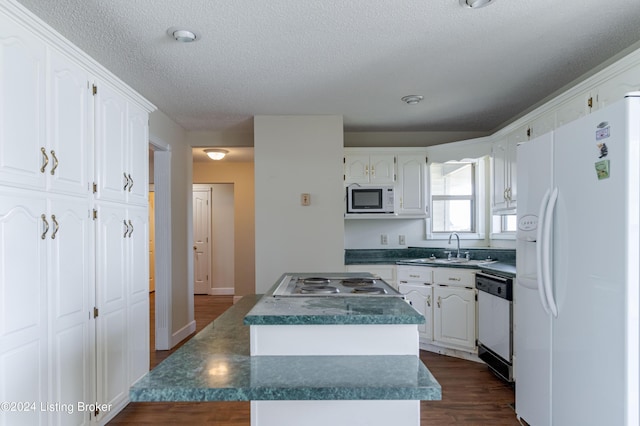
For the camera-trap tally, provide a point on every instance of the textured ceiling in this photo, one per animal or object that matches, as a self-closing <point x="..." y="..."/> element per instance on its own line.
<point x="476" y="68"/>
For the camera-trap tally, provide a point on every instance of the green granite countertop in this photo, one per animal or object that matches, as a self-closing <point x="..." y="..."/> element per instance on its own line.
<point x="307" y="310"/>
<point x="215" y="365"/>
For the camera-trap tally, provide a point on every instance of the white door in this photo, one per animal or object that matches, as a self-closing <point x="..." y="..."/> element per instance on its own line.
<point x="22" y="130"/>
<point x="201" y="239"/>
<point x="23" y="305"/>
<point x="454" y="316"/>
<point x="71" y="296"/>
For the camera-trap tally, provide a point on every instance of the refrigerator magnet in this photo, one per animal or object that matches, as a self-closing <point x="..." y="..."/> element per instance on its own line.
<point x="604" y="151"/>
<point x="602" y="169"/>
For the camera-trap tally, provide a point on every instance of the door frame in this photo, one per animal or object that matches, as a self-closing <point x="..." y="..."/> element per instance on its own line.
<point x="162" y="216"/>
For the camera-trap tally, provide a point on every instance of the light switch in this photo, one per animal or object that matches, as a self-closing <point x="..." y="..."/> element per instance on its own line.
<point x="305" y="199"/>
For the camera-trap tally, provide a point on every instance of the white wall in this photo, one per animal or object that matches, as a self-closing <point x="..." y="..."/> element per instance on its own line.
<point x="222" y="234"/>
<point x="180" y="317"/>
<point x="295" y="155"/>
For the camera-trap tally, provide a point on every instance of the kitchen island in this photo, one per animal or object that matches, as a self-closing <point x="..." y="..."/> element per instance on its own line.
<point x="216" y="365"/>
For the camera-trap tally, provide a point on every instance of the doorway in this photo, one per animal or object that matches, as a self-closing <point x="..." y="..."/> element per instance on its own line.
<point x="213" y="227"/>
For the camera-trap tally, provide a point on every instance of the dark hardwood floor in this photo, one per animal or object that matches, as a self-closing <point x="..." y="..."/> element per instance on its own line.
<point x="471" y="394"/>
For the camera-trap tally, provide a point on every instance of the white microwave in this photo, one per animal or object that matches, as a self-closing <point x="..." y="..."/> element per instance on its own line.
<point x="370" y="199"/>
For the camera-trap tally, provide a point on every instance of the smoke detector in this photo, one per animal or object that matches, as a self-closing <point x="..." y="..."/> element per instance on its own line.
<point x="412" y="99"/>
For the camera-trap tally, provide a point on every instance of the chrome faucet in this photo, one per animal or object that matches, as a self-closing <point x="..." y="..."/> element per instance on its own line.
<point x="458" y="238"/>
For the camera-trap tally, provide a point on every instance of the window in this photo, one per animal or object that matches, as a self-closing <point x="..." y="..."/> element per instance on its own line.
<point x="504" y="226"/>
<point x="453" y="197"/>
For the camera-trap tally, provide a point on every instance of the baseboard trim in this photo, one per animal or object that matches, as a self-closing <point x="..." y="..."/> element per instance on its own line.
<point x="236" y="299"/>
<point x="183" y="333"/>
<point x="222" y="291"/>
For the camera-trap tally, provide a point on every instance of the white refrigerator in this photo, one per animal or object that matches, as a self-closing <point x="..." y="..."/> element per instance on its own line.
<point x="577" y="298"/>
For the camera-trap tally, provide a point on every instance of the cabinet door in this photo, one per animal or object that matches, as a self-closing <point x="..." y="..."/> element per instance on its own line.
<point x="382" y="168"/>
<point x="111" y="299"/>
<point x="137" y="241"/>
<point x="22" y="106"/>
<point x="138" y="147"/>
<point x="69" y="144"/>
<point x="499" y="175"/>
<point x="411" y="183"/>
<point x="421" y="298"/>
<point x="23" y="305"/>
<point x="111" y="144"/>
<point x="70" y="293"/>
<point x="356" y="168"/>
<point x="454" y="317"/>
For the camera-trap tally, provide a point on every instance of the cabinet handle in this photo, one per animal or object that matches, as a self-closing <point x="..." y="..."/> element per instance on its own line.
<point x="504" y="194"/>
<point x="126" y="228"/>
<point x="46" y="226"/>
<point x="55" y="162"/>
<point x="126" y="181"/>
<point x="56" y="226"/>
<point x="46" y="159"/>
<point x="366" y="170"/>
<point x="429" y="301"/>
<point x="414" y="276"/>
<point x="439" y="301"/>
<point x="130" y="227"/>
<point x="373" y="171"/>
<point x="130" y="180"/>
<point x="454" y="279"/>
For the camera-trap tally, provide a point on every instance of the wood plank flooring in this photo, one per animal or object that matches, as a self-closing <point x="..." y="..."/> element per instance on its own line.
<point x="471" y="394"/>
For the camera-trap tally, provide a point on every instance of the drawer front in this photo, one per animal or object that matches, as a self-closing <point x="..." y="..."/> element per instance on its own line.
<point x="454" y="276"/>
<point x="419" y="274"/>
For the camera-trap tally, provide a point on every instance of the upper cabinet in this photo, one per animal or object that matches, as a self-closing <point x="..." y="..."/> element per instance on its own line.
<point x="404" y="168"/>
<point x="121" y="159"/>
<point x="411" y="188"/>
<point x="369" y="168"/>
<point x="504" y="173"/>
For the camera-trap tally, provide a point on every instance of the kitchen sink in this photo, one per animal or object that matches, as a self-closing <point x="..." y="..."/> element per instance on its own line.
<point x="452" y="261"/>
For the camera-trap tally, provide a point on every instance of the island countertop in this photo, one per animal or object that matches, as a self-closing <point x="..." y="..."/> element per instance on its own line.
<point x="215" y="365"/>
<point x="331" y="310"/>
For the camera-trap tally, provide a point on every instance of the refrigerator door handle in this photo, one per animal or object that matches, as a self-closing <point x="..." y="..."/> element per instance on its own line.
<point x="539" y="253"/>
<point x="546" y="253"/>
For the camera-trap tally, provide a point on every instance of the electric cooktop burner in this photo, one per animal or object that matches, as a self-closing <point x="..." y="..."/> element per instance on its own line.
<point x="334" y="285"/>
<point x="319" y="289"/>
<point x="358" y="282"/>
<point x="316" y="280"/>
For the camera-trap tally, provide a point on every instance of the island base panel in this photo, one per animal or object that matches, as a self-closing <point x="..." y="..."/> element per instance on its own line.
<point x="335" y="413"/>
<point x="375" y="339"/>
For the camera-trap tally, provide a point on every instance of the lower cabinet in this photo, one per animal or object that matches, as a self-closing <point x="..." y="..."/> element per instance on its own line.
<point x="447" y="299"/>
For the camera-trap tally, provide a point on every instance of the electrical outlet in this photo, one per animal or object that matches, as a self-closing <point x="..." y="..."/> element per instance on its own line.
<point x="383" y="239"/>
<point x="401" y="240"/>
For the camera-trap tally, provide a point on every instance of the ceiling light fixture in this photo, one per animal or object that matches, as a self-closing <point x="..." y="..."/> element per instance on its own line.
<point x="475" y="4"/>
<point x="216" y="154"/>
<point x="412" y="99"/>
<point x="183" y="35"/>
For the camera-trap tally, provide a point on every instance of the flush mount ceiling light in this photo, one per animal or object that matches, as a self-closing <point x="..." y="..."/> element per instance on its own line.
<point x="183" y="35"/>
<point x="412" y="99"/>
<point x="475" y="4"/>
<point x="216" y="154"/>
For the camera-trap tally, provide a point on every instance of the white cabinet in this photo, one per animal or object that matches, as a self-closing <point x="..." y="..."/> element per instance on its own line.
<point x="504" y="173"/>
<point x="121" y="275"/>
<point x="22" y="106"/>
<point x="369" y="167"/>
<point x="446" y="297"/>
<point x="454" y="317"/>
<point x="120" y="157"/>
<point x="60" y="266"/>
<point x="411" y="190"/>
<point x="46" y="328"/>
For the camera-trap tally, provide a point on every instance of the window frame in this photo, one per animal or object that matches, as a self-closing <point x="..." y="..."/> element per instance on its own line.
<point x="478" y="202"/>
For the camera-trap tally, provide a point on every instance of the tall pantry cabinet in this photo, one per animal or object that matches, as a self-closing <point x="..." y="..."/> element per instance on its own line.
<point x="73" y="245"/>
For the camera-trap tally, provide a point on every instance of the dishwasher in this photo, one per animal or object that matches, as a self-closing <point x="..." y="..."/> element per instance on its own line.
<point x="495" y="319"/>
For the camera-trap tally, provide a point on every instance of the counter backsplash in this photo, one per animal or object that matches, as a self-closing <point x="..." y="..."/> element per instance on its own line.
<point x="386" y="256"/>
